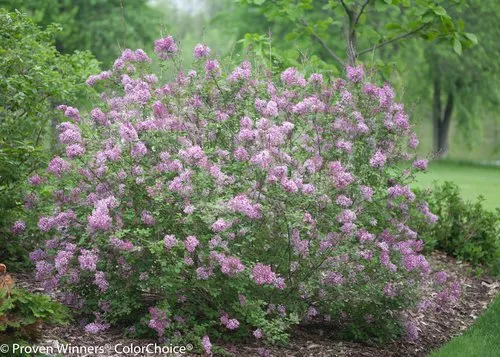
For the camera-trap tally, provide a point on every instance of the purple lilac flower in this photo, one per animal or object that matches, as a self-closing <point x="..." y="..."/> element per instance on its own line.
<point x="203" y="273"/>
<point x="411" y="331"/>
<point x="316" y="78"/>
<point x="100" y="281"/>
<point x="95" y="327"/>
<point x="70" y="136"/>
<point x="58" y="166"/>
<point x="201" y="50"/>
<point x="280" y="283"/>
<point x="232" y="324"/>
<point x="212" y="68"/>
<point x="100" y="218"/>
<point x="241" y="72"/>
<point x="389" y="290"/>
<point x="74" y="150"/>
<point x="191" y="243"/>
<point x="165" y="48"/>
<point x="262" y="159"/>
<point x="138" y="150"/>
<point x="37" y="255"/>
<point x="333" y="278"/>
<point x="263" y="274"/>
<point x="365" y="236"/>
<point x="128" y="132"/>
<point x="88" y="260"/>
<point x="99" y="117"/>
<point x="43" y="270"/>
<point x="72" y="113"/>
<point x="366" y="192"/>
<point x="120" y="244"/>
<point x="258" y="334"/>
<point x="158" y="321"/>
<point x="346" y="216"/>
<point x="366" y="254"/>
<point x="355" y="74"/>
<point x="340" y="176"/>
<point x="241" y="154"/>
<point x="378" y="159"/>
<point x="206" y="344"/>
<point x="271" y="110"/>
<point x="169" y="241"/>
<point x="420" y="164"/>
<point x="35" y="180"/>
<point x="309" y="105"/>
<point x="62" y="260"/>
<point x="344" y="146"/>
<point x="441" y="277"/>
<point x="231" y="266"/>
<point x="242" y="204"/>
<point x="147" y="218"/>
<point x="430" y="217"/>
<point x="311" y="312"/>
<point x="413" y="141"/>
<point x="291" y="77"/>
<point x="18" y="227"/>
<point x="343" y="201"/>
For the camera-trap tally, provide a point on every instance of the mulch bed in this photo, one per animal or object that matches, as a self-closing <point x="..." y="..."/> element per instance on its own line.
<point x="435" y="327"/>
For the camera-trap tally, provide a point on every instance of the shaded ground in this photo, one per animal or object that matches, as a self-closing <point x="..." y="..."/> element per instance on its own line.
<point x="435" y="327"/>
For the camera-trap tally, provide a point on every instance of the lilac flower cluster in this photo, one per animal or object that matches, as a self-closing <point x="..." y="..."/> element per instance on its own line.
<point x="158" y="320"/>
<point x="201" y="50"/>
<point x="166" y="47"/>
<point x="18" y="227"/>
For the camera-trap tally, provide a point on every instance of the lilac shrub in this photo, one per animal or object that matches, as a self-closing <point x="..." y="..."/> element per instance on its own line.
<point x="230" y="204"/>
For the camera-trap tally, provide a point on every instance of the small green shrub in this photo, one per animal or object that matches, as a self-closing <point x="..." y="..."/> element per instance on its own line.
<point x="23" y="313"/>
<point x="465" y="229"/>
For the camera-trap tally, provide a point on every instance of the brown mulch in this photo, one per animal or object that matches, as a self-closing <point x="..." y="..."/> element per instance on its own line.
<point x="435" y="327"/>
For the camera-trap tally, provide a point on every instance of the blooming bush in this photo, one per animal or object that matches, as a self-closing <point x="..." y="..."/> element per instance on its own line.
<point x="232" y="204"/>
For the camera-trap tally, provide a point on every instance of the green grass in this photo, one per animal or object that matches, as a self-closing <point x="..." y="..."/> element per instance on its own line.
<point x="481" y="340"/>
<point x="473" y="180"/>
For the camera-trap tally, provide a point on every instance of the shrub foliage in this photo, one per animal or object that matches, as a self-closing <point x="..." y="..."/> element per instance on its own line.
<point x="22" y="315"/>
<point x="33" y="78"/>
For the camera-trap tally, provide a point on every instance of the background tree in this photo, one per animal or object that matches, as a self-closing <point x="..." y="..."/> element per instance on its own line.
<point x="465" y="88"/>
<point x="347" y="30"/>
<point x="105" y="27"/>
<point x="386" y="34"/>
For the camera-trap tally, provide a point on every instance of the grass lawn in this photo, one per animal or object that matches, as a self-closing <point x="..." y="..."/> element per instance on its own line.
<point x="473" y="180"/>
<point x="481" y="340"/>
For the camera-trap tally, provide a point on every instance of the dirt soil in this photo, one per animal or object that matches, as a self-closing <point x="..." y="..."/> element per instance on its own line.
<point x="435" y="327"/>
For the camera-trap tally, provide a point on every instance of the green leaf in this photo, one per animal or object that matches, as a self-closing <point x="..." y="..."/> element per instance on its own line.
<point x="259" y="2"/>
<point x="428" y="17"/>
<point x="457" y="46"/>
<point x="471" y="37"/>
<point x="440" y="11"/>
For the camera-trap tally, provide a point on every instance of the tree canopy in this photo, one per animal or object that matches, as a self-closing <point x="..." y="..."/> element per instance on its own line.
<point x="105" y="27"/>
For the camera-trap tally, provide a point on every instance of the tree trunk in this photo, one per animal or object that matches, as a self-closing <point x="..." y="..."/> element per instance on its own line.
<point x="441" y="120"/>
<point x="436" y="113"/>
